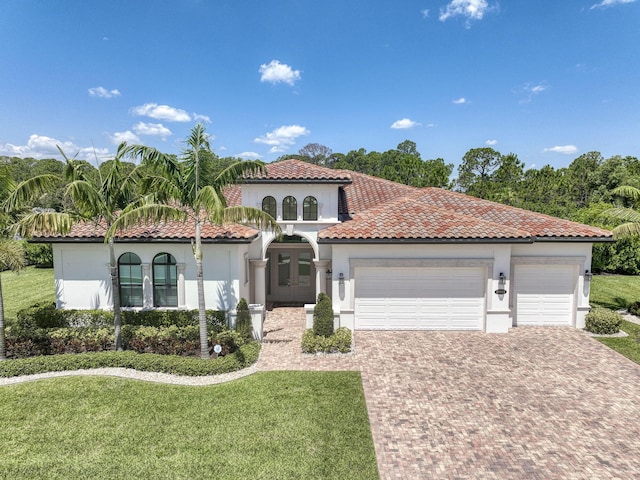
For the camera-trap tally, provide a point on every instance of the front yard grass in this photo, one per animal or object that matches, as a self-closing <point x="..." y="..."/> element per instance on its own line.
<point x="23" y="289"/>
<point x="268" y="425"/>
<point x="617" y="292"/>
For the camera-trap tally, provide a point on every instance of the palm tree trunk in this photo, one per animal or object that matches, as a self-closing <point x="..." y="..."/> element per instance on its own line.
<point x="3" y="340"/>
<point x="115" y="294"/>
<point x="202" y="311"/>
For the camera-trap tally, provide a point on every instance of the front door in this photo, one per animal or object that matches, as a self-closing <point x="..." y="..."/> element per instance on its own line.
<point x="292" y="276"/>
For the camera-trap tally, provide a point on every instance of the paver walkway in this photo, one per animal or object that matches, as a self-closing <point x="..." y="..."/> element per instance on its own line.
<point x="540" y="403"/>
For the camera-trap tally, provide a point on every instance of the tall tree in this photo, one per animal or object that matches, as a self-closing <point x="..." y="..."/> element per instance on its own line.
<point x="178" y="192"/>
<point x="476" y="170"/>
<point x="316" y="153"/>
<point x="95" y="195"/>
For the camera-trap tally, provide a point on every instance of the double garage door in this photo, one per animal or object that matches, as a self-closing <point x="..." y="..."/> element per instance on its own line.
<point x="419" y="298"/>
<point x="544" y="294"/>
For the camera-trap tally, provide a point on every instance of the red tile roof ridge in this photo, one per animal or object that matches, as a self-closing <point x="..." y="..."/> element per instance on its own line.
<point x="297" y="170"/>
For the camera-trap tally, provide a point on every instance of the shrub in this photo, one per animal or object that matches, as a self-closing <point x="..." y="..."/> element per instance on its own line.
<point x="40" y="315"/>
<point x="243" y="320"/>
<point x="603" y="321"/>
<point x="243" y="357"/>
<point x="323" y="316"/>
<point x="634" y="308"/>
<point x="229" y="340"/>
<point x="339" y="342"/>
<point x="39" y="254"/>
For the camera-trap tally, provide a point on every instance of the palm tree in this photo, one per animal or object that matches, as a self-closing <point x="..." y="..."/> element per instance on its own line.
<point x="630" y="216"/>
<point x="180" y="194"/>
<point x="12" y="257"/>
<point x="96" y="196"/>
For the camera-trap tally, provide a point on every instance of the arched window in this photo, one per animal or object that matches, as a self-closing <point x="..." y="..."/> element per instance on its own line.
<point x="310" y="209"/>
<point x="269" y="206"/>
<point x="289" y="208"/>
<point x="130" y="278"/>
<point x="165" y="281"/>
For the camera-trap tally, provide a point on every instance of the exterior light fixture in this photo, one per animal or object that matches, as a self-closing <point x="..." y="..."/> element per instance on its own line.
<point x="341" y="278"/>
<point x="328" y="273"/>
<point x="501" y="281"/>
<point x="587" y="276"/>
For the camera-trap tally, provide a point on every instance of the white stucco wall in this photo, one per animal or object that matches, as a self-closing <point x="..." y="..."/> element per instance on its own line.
<point x="82" y="274"/>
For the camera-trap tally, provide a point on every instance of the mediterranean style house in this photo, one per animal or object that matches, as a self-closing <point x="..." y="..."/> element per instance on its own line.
<point x="390" y="256"/>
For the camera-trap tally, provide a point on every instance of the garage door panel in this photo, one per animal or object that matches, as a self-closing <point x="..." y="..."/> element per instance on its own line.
<point x="544" y="294"/>
<point x="420" y="298"/>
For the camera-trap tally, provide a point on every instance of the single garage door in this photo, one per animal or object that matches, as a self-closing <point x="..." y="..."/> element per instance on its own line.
<point x="544" y="294"/>
<point x="419" y="298"/>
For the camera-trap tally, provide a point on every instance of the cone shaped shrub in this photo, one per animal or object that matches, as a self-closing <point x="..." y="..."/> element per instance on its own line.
<point x="243" y="320"/>
<point x="323" y="316"/>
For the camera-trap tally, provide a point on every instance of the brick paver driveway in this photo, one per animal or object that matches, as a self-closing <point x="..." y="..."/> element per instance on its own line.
<point x="535" y="403"/>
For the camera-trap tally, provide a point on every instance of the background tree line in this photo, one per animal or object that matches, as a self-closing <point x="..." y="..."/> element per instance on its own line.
<point x="583" y="191"/>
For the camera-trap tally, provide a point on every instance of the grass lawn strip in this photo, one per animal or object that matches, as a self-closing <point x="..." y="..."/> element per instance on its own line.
<point x="614" y="291"/>
<point x="269" y="425"/>
<point x="23" y="289"/>
<point x="627" y="346"/>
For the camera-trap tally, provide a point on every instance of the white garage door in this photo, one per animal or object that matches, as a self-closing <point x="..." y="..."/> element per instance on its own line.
<point x="544" y="294"/>
<point x="419" y="298"/>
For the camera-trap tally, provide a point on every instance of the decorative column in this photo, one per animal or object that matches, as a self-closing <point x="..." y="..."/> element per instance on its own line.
<point x="181" y="293"/>
<point x="147" y="286"/>
<point x="259" y="284"/>
<point x="321" y="276"/>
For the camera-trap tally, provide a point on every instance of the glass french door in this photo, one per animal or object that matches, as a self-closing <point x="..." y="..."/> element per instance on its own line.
<point x="293" y="278"/>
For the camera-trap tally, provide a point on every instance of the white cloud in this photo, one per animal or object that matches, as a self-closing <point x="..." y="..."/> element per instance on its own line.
<point x="152" y="129"/>
<point x="471" y="9"/>
<point x="41" y="146"/>
<point x="529" y="90"/>
<point x="128" y="136"/>
<point x="404" y="123"/>
<point x="491" y="143"/>
<point x="460" y="101"/>
<point x="102" y="92"/>
<point x="249" y="155"/>
<point x="282" y="137"/>
<point x="610" y="3"/>
<point x="563" y="149"/>
<point x="161" y="112"/>
<point x="276" y="72"/>
<point x="201" y="118"/>
<point x="425" y="13"/>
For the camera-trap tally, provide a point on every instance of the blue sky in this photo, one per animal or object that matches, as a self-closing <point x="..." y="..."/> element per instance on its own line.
<point x="545" y="79"/>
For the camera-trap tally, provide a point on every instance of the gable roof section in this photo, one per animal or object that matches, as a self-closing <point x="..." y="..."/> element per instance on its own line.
<point x="174" y="231"/>
<point x="296" y="171"/>
<point x="437" y="215"/>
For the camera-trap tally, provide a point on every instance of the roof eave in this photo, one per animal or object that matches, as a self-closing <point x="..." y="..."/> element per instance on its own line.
<point x="330" y="181"/>
<point x="574" y="239"/>
<point x="139" y="240"/>
<point x="424" y="240"/>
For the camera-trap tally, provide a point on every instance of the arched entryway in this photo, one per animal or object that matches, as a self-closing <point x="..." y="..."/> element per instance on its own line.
<point x="290" y="273"/>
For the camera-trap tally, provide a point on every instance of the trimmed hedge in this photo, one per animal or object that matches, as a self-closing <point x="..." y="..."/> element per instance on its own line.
<point x="603" y="321"/>
<point x="634" y="309"/>
<point x="244" y="326"/>
<point x="190" y="366"/>
<point x="46" y="315"/>
<point x="323" y="316"/>
<point x="339" y="342"/>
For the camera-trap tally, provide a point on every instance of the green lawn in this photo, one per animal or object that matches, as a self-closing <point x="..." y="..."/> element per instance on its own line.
<point x="615" y="291"/>
<point x="265" y="426"/>
<point x="20" y="290"/>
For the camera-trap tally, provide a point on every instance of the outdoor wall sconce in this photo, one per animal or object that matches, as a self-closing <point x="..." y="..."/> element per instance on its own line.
<point x="328" y="273"/>
<point x="587" y="276"/>
<point x="501" y="281"/>
<point x="341" y="279"/>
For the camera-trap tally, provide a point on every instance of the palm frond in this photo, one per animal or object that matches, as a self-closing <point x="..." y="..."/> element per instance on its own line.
<point x="168" y="164"/>
<point x="162" y="188"/>
<point x="236" y="171"/>
<point x="147" y="214"/>
<point x="623" y="214"/>
<point x="212" y="202"/>
<point x="43" y="224"/>
<point x="30" y="190"/>
<point x="626" y="230"/>
<point x="86" y="198"/>
<point x="627" y="191"/>
<point x="12" y="255"/>
<point x="251" y="216"/>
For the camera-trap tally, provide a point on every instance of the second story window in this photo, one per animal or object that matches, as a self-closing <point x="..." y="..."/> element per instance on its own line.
<point x="310" y="209"/>
<point x="269" y="206"/>
<point x="289" y="208"/>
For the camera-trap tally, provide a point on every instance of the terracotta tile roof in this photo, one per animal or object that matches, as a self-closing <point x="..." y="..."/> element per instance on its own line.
<point x="175" y="231"/>
<point x="292" y="170"/>
<point x="409" y="218"/>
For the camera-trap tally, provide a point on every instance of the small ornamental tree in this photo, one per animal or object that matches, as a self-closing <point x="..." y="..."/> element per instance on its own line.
<point x="323" y="316"/>
<point x="243" y="320"/>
